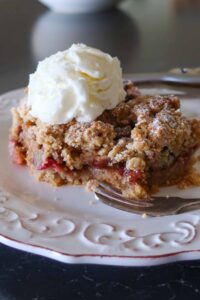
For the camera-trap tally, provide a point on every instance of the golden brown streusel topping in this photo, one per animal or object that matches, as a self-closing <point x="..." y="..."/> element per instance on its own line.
<point x="143" y="141"/>
<point x="145" y="132"/>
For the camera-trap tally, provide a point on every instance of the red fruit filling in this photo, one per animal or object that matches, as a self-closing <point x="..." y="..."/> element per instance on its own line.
<point x="49" y="163"/>
<point x="100" y="164"/>
<point x="132" y="175"/>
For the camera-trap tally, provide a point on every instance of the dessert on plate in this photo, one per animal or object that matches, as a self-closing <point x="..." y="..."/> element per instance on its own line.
<point x="79" y="123"/>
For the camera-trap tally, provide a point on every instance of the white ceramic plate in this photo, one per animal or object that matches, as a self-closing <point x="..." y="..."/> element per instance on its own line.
<point x="69" y="225"/>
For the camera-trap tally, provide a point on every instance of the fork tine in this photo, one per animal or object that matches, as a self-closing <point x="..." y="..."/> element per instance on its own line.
<point x="131" y="207"/>
<point x="156" y="206"/>
<point x="122" y="205"/>
<point x="121" y="199"/>
<point x="117" y="193"/>
<point x="110" y="188"/>
<point x="107" y="191"/>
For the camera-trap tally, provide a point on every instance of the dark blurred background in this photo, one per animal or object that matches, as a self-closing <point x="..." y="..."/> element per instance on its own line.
<point x="146" y="35"/>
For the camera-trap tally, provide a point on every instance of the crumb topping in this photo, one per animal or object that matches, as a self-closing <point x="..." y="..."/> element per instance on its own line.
<point x="143" y="133"/>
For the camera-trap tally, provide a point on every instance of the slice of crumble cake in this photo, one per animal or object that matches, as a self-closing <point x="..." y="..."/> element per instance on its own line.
<point x="144" y="141"/>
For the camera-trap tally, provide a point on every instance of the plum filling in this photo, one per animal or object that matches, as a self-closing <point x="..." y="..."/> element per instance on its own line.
<point x="17" y="153"/>
<point x="53" y="164"/>
<point x="132" y="176"/>
<point x="49" y="163"/>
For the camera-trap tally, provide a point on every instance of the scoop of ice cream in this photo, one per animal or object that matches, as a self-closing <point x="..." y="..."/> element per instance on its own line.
<point x="80" y="82"/>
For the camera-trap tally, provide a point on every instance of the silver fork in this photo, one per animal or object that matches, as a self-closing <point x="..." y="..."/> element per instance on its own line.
<point x="155" y="206"/>
<point x="188" y="76"/>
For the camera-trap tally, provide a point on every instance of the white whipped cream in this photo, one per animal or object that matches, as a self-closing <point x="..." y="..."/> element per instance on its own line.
<point x="80" y="83"/>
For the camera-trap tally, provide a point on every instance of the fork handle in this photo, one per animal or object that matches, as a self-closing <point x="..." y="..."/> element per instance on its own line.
<point x="164" y="77"/>
<point x="189" y="205"/>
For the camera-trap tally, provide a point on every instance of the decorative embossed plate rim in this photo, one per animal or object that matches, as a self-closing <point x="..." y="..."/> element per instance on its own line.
<point x="37" y="218"/>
